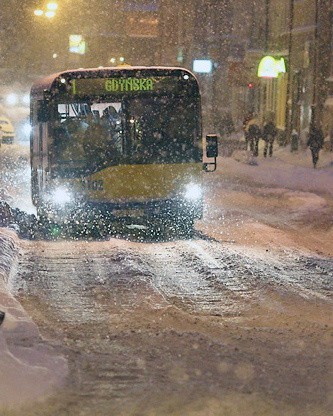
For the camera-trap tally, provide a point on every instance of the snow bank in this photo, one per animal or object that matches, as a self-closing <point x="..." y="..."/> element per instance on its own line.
<point x="29" y="368"/>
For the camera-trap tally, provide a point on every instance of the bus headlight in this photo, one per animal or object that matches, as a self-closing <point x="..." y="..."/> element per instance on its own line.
<point x="61" y="196"/>
<point x="193" y="192"/>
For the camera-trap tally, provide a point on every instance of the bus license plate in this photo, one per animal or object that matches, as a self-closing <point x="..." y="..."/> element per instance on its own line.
<point x="133" y="213"/>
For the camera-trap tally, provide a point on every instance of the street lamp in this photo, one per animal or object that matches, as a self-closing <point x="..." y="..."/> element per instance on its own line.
<point x="46" y="15"/>
<point x="52" y="6"/>
<point x="49" y="14"/>
<point x="50" y="11"/>
<point x="38" y="12"/>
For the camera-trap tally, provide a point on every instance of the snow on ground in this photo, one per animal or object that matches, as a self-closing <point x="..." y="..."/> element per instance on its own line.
<point x="285" y="169"/>
<point x="297" y="193"/>
<point x="21" y="349"/>
<point x="29" y="369"/>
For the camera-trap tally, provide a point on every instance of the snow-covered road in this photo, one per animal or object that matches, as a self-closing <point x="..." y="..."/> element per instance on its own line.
<point x="238" y="318"/>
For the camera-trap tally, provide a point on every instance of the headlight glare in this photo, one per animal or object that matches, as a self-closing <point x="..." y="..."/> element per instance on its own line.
<point x="61" y="196"/>
<point x="11" y="99"/>
<point x="193" y="192"/>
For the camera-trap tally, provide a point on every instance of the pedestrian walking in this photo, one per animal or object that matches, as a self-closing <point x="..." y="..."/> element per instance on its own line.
<point x="294" y="141"/>
<point x="254" y="137"/>
<point x="315" y="143"/>
<point x="269" y="134"/>
<point x="246" y="125"/>
<point x="331" y="140"/>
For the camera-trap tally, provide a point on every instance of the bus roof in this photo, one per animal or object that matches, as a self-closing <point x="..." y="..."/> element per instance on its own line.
<point x="47" y="83"/>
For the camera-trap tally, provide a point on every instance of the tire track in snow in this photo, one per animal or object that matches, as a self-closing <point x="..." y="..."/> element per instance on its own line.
<point x="83" y="282"/>
<point x="189" y="276"/>
<point x="91" y="281"/>
<point x="208" y="277"/>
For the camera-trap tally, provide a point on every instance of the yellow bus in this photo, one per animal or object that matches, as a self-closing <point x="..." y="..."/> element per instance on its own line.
<point x="119" y="144"/>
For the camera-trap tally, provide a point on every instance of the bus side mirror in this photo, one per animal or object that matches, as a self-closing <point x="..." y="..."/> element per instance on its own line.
<point x="43" y="112"/>
<point x="211" y="151"/>
<point x="211" y="145"/>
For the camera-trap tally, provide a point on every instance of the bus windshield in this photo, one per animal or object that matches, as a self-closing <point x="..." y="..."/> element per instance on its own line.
<point x="136" y="130"/>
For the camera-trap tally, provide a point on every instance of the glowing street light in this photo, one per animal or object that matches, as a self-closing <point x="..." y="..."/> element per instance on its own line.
<point x="38" y="12"/>
<point x="52" y="6"/>
<point x="49" y="14"/>
<point x="270" y="67"/>
<point x="50" y="11"/>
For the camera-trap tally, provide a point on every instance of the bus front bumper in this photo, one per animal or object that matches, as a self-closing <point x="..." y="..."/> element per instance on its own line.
<point x="86" y="212"/>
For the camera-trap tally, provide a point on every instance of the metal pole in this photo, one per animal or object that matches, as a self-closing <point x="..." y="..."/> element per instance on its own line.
<point x="289" y="103"/>
<point x="315" y="68"/>
<point x="267" y="4"/>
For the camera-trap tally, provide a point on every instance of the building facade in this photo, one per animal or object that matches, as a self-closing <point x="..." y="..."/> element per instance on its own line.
<point x="297" y="34"/>
<point x="233" y="36"/>
<point x="299" y="31"/>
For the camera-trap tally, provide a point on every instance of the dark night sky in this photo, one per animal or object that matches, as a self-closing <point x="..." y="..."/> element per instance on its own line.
<point x="29" y="44"/>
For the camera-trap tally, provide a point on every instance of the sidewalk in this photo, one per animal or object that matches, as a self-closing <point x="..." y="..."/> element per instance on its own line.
<point x="30" y="369"/>
<point x="301" y="157"/>
<point x="293" y="170"/>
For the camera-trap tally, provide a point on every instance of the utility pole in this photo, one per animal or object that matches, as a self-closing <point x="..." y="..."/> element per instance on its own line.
<point x="267" y="5"/>
<point x="315" y="69"/>
<point x="289" y="102"/>
<point x="321" y="58"/>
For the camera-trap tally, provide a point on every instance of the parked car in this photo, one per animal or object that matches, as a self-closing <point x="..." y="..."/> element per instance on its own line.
<point x="8" y="131"/>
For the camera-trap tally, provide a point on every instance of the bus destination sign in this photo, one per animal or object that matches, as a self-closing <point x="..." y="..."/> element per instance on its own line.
<point x="102" y="86"/>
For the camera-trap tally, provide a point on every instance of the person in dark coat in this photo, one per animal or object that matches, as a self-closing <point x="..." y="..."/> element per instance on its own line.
<point x="246" y="125"/>
<point x="315" y="143"/>
<point x="331" y="140"/>
<point x="254" y="137"/>
<point x="269" y="134"/>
